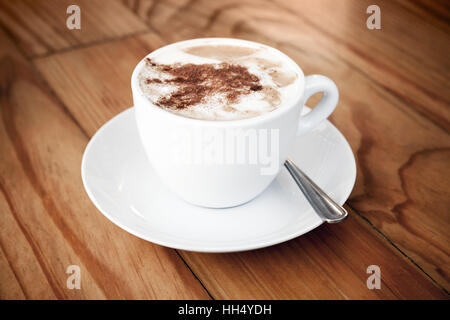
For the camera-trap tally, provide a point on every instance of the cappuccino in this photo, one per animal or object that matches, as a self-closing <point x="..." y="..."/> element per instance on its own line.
<point x="218" y="80"/>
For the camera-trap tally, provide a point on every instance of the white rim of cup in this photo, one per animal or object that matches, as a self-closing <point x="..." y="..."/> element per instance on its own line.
<point x="222" y="123"/>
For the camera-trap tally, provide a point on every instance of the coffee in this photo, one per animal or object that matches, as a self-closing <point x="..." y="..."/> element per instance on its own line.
<point x="222" y="163"/>
<point x="218" y="80"/>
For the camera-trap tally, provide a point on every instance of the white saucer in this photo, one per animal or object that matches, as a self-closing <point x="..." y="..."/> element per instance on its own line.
<point x="123" y="186"/>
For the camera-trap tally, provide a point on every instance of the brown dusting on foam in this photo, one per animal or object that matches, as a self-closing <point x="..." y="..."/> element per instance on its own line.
<point x="195" y="82"/>
<point x="154" y="80"/>
<point x="220" y="52"/>
<point x="228" y="108"/>
<point x="272" y="96"/>
<point x="264" y="64"/>
<point x="282" y="79"/>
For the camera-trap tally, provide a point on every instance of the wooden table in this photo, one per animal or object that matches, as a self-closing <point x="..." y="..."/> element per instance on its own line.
<point x="58" y="86"/>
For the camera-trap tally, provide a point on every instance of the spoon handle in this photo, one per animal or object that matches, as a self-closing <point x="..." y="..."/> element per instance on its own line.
<point x="328" y="210"/>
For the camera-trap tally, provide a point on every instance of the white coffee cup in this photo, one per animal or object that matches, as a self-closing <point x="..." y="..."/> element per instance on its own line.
<point x="168" y="139"/>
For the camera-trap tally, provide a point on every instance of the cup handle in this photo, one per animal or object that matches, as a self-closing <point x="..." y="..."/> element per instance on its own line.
<point x="314" y="84"/>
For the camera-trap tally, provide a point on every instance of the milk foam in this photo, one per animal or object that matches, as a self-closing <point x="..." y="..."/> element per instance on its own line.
<point x="276" y="73"/>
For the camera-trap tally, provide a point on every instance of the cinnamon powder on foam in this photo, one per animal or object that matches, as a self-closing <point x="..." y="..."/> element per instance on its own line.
<point x="195" y="82"/>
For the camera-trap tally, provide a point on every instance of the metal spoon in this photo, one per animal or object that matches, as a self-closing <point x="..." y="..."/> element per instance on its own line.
<point x="328" y="210"/>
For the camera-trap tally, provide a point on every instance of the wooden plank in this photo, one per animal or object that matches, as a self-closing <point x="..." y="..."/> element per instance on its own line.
<point x="39" y="27"/>
<point x="22" y="255"/>
<point x="75" y="88"/>
<point x="156" y="13"/>
<point x="408" y="56"/>
<point x="11" y="288"/>
<point x="394" y="108"/>
<point x="435" y="12"/>
<point x="48" y="222"/>
<point x="328" y="263"/>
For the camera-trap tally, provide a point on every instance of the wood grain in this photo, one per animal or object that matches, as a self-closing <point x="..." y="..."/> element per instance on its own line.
<point x="328" y="263"/>
<point x="407" y="57"/>
<point x="11" y="287"/>
<point x="47" y="221"/>
<point x="39" y="27"/>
